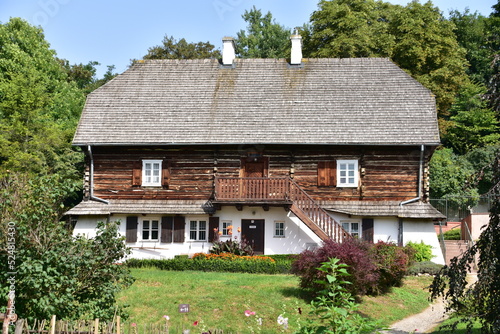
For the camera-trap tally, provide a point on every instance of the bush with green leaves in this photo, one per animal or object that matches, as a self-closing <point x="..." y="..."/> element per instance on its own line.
<point x="334" y="310"/>
<point x="425" y="267"/>
<point x="422" y="252"/>
<point x="453" y="234"/>
<point x="56" y="273"/>
<point x="392" y="264"/>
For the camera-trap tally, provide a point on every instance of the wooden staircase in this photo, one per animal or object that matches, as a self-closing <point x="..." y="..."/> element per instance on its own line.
<point x="280" y="190"/>
<point x="454" y="248"/>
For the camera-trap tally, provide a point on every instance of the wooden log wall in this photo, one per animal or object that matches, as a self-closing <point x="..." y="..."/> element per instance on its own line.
<point x="388" y="173"/>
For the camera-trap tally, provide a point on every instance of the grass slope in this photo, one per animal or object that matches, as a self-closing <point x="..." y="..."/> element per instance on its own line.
<point x="219" y="300"/>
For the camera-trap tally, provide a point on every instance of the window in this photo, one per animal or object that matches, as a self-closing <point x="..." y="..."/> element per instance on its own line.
<point x="226" y="227"/>
<point x="198" y="230"/>
<point x="150" y="229"/>
<point x="279" y="229"/>
<point x="352" y="227"/>
<point x="151" y="173"/>
<point x="347" y="173"/>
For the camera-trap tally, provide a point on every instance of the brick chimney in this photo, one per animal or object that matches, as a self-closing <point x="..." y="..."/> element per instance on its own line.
<point x="296" y="56"/>
<point x="228" y="51"/>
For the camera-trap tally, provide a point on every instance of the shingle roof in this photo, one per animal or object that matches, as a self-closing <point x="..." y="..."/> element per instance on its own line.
<point x="417" y="209"/>
<point x="137" y="207"/>
<point x="325" y="101"/>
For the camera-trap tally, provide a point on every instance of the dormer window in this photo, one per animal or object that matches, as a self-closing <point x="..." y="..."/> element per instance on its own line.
<point x="151" y="173"/>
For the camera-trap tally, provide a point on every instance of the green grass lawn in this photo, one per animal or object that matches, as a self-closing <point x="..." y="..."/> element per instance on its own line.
<point x="219" y="301"/>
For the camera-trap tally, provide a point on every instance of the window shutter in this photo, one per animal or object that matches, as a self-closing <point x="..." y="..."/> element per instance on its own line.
<point x="131" y="229"/>
<point x="137" y="173"/>
<point x="165" y="173"/>
<point x="213" y="223"/>
<point x="327" y="171"/>
<point x="367" y="228"/>
<point x="179" y="229"/>
<point x="167" y="226"/>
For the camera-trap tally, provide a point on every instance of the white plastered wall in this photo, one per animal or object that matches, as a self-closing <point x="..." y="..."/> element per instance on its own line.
<point x="298" y="236"/>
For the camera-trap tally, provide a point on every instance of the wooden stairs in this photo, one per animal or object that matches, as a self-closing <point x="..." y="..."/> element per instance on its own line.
<point x="285" y="191"/>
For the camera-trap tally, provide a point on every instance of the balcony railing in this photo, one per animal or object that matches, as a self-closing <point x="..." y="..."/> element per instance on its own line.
<point x="256" y="189"/>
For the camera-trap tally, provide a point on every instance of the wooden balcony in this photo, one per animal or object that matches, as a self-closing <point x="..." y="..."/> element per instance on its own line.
<point x="252" y="189"/>
<point x="268" y="191"/>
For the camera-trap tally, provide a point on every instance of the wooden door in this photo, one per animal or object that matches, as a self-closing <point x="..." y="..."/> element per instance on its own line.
<point x="253" y="232"/>
<point x="254" y="168"/>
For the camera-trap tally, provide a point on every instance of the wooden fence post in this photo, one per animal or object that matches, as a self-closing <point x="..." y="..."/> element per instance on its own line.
<point x="96" y="326"/>
<point x="118" y="329"/>
<point x="53" y="325"/>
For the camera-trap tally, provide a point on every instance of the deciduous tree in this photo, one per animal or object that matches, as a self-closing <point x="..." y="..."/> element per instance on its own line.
<point x="263" y="38"/>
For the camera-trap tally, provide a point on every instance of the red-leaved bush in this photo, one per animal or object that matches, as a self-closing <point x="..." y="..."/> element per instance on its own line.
<point x="374" y="268"/>
<point x="354" y="252"/>
<point x="392" y="262"/>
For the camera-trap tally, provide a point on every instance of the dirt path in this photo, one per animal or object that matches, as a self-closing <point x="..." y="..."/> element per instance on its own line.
<point x="426" y="321"/>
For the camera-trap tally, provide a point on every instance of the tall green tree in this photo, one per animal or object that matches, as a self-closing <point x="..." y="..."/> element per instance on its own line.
<point x="350" y="28"/>
<point x="181" y="49"/>
<point x="471" y="33"/>
<point x="473" y="124"/>
<point x="39" y="107"/>
<point x="416" y="37"/>
<point x="263" y="38"/>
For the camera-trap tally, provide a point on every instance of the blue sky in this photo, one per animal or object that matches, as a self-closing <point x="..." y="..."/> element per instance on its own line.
<point x="112" y="32"/>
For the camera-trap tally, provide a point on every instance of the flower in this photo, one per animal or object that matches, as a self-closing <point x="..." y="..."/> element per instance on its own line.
<point x="220" y="233"/>
<point x="283" y="321"/>
<point x="239" y="229"/>
<point x="166" y="317"/>
<point x="133" y="324"/>
<point x="195" y="323"/>
<point x="249" y="313"/>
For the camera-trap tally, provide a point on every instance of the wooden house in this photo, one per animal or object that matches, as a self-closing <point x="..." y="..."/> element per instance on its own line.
<point x="286" y="152"/>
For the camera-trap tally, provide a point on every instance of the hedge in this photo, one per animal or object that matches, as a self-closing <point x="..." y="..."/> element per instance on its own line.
<point x="273" y="264"/>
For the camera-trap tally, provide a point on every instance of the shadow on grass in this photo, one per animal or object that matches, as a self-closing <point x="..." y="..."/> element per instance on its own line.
<point x="298" y="292"/>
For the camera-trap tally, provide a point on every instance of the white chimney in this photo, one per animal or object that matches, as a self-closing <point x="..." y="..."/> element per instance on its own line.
<point x="296" y="56"/>
<point x="228" y="52"/>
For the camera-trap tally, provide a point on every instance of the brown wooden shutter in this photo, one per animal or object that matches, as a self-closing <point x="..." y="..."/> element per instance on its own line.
<point x="327" y="171"/>
<point x="137" y="173"/>
<point x="213" y="223"/>
<point x="165" y="173"/>
<point x="167" y="227"/>
<point x="179" y="228"/>
<point x="367" y="229"/>
<point x="131" y="229"/>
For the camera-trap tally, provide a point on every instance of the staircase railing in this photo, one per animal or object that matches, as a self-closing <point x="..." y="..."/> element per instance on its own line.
<point x="303" y="202"/>
<point x="281" y="189"/>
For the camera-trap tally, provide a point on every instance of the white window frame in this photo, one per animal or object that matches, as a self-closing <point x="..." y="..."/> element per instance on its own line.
<point x="279" y="228"/>
<point x="349" y="228"/>
<point x="150" y="229"/>
<point x="224" y="227"/>
<point x="198" y="230"/>
<point x="344" y="179"/>
<point x="148" y="177"/>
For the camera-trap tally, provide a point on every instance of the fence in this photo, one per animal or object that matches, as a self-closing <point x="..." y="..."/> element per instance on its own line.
<point x="54" y="326"/>
<point x="457" y="208"/>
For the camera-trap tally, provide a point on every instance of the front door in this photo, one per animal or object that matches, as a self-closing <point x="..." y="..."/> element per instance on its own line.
<point x="253" y="232"/>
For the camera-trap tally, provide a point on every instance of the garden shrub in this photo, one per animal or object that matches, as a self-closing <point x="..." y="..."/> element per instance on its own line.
<point x="425" y="267"/>
<point x="422" y="252"/>
<point x="392" y="264"/>
<point x="353" y="252"/>
<point x="335" y="310"/>
<point x="454" y="234"/>
<point x="211" y="262"/>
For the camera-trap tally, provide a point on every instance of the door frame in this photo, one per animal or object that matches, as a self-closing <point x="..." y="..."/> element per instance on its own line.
<point x="260" y="234"/>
